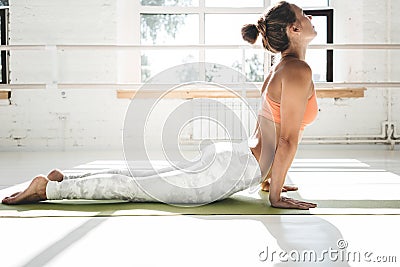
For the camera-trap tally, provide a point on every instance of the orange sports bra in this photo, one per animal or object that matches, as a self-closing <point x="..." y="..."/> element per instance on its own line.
<point x="275" y="108"/>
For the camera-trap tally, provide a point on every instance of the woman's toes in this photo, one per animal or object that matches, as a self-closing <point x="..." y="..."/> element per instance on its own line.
<point x="6" y="200"/>
<point x="35" y="192"/>
<point x="13" y="195"/>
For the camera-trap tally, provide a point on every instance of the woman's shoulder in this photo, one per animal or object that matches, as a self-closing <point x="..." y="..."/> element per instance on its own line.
<point x="292" y="70"/>
<point x="296" y="67"/>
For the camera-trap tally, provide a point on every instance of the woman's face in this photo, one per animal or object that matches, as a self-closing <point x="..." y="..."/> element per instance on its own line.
<point x="304" y="23"/>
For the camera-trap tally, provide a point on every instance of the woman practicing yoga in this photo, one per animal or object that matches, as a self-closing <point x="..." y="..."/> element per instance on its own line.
<point x="288" y="105"/>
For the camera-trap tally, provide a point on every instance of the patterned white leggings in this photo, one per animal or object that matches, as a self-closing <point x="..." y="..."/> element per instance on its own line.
<point x="223" y="169"/>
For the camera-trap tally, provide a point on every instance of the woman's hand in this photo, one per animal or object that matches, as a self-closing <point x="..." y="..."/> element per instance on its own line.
<point x="290" y="203"/>
<point x="265" y="187"/>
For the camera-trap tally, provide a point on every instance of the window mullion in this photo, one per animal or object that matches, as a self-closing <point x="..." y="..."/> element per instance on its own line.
<point x="4" y="38"/>
<point x="328" y="13"/>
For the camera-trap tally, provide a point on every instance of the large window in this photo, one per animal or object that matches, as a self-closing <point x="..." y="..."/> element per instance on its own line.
<point x="4" y="40"/>
<point x="217" y="23"/>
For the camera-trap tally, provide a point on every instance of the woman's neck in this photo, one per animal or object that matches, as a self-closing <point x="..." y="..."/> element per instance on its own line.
<point x="299" y="53"/>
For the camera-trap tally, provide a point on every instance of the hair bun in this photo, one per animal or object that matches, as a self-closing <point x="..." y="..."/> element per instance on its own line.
<point x="250" y="33"/>
<point x="261" y="26"/>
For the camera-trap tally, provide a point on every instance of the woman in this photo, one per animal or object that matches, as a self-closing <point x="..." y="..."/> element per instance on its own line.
<point x="290" y="99"/>
<point x="284" y="29"/>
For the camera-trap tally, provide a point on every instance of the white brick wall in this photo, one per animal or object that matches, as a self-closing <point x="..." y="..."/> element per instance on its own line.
<point x="86" y="119"/>
<point x="361" y="21"/>
<point x="62" y="21"/>
<point x="351" y="116"/>
<point x="46" y="119"/>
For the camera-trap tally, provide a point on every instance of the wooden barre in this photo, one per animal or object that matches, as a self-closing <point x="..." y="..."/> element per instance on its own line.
<point x="5" y="94"/>
<point x="220" y="93"/>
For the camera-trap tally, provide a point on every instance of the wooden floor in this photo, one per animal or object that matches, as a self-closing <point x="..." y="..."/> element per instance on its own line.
<point x="211" y="240"/>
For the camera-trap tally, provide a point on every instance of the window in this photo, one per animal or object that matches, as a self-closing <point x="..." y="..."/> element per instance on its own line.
<point x="218" y="22"/>
<point x="167" y="29"/>
<point x="223" y="29"/>
<point x="4" y="41"/>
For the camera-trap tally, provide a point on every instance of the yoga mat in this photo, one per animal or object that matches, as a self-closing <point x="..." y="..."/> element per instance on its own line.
<point x="237" y="204"/>
<point x="335" y="192"/>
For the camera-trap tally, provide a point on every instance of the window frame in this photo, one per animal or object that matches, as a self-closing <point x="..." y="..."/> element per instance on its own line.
<point x="328" y="13"/>
<point x="4" y="41"/>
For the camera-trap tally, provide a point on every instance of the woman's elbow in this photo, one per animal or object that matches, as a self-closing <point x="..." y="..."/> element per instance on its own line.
<point x="288" y="142"/>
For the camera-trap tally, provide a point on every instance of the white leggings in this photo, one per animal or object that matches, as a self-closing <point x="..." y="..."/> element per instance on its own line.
<point x="223" y="169"/>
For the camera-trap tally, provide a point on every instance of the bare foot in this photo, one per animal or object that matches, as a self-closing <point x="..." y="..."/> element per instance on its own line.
<point x="285" y="188"/>
<point x="290" y="203"/>
<point x="35" y="192"/>
<point x="55" y="175"/>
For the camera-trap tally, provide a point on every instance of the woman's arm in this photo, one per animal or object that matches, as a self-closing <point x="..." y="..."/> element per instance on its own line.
<point x="296" y="85"/>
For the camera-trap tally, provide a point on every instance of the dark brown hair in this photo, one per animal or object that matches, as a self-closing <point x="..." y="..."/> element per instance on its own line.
<point x="272" y="27"/>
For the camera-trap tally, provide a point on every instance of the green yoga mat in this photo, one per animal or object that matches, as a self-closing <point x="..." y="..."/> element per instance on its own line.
<point x="238" y="204"/>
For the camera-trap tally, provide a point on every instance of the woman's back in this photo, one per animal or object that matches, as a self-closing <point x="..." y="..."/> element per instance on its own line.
<point x="269" y="129"/>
